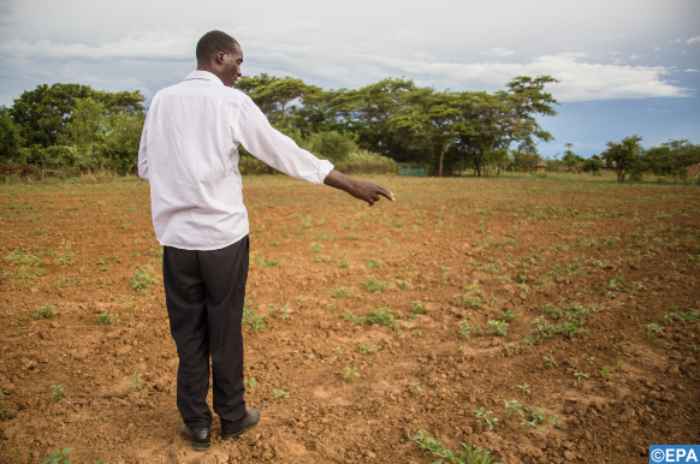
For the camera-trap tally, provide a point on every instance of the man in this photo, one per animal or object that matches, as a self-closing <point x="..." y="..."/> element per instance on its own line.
<point x="189" y="155"/>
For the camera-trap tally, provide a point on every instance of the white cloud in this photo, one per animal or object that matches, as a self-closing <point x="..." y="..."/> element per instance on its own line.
<point x="580" y="78"/>
<point x="146" y="46"/>
<point x="693" y="40"/>
<point x="692" y="70"/>
<point x="498" y="52"/>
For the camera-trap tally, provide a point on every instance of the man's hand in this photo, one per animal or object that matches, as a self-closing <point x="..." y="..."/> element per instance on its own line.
<point x="363" y="190"/>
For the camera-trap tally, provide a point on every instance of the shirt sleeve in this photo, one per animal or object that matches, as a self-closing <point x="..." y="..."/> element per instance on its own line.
<point x="254" y="132"/>
<point x="143" y="155"/>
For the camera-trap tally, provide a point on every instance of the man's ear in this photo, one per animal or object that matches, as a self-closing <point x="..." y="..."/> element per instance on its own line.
<point x="219" y="57"/>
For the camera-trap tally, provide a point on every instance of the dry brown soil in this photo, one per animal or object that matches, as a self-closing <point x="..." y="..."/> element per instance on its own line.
<point x="594" y="286"/>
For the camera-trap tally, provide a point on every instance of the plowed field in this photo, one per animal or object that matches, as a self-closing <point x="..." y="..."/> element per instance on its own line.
<point x="546" y="320"/>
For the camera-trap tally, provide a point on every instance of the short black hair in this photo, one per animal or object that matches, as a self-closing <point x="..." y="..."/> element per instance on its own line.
<point x="213" y="42"/>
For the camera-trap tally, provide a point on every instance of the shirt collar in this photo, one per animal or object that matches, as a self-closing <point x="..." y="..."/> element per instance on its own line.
<point x="205" y="75"/>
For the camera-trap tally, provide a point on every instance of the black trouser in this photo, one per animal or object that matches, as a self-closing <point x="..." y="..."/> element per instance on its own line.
<point x="204" y="293"/>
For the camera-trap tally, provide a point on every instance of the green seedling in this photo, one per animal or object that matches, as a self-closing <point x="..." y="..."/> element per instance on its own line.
<point x="57" y="393"/>
<point x="60" y="456"/>
<point x="381" y="316"/>
<point x="256" y="322"/>
<point x="499" y="328"/>
<point x="549" y="361"/>
<point x="465" y="329"/>
<point x="375" y="286"/>
<point x="135" y="382"/>
<point x="142" y="279"/>
<point x="342" y="292"/>
<point x="350" y="374"/>
<point x="47" y="311"/>
<point x="468" y="454"/>
<point x="251" y="383"/>
<point x="417" y="308"/>
<point x="654" y="329"/>
<point x="104" y="318"/>
<point x="487" y="417"/>
<point x="280" y="393"/>
<point x="580" y="376"/>
<point x="367" y="348"/>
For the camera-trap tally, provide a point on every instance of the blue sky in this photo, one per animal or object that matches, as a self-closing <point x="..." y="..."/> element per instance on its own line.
<point x="625" y="67"/>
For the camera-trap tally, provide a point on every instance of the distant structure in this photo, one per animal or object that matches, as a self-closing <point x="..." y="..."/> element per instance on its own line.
<point x="541" y="166"/>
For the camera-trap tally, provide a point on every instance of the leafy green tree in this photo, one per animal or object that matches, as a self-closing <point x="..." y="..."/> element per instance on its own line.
<point x="331" y="145"/>
<point x="10" y="138"/>
<point x="672" y="158"/>
<point x="525" y="160"/>
<point x="492" y="122"/>
<point x="43" y="113"/>
<point x="594" y="165"/>
<point x="623" y="156"/>
<point x="121" y="140"/>
<point x="571" y="160"/>
<point x="428" y="120"/>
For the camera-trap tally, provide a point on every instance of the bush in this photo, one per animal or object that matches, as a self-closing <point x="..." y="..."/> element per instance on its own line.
<point x="366" y="162"/>
<point x="331" y="145"/>
<point x="250" y="165"/>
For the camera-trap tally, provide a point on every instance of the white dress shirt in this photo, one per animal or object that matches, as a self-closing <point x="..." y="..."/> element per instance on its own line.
<point x="189" y="155"/>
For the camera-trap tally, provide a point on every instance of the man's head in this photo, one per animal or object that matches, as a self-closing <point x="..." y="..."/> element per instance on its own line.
<point x="220" y="54"/>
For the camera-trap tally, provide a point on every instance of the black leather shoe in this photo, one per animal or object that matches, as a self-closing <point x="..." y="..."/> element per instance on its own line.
<point x="199" y="436"/>
<point x="231" y="430"/>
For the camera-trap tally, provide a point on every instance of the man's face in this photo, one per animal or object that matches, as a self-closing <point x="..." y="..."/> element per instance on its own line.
<point x="230" y="66"/>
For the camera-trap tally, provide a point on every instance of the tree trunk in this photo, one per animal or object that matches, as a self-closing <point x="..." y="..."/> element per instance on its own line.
<point x="441" y="161"/>
<point x="621" y="175"/>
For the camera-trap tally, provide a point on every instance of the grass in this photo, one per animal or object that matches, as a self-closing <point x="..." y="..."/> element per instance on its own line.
<point x="467" y="454"/>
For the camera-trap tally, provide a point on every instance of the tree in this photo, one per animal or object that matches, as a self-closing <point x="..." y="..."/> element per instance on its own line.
<point x="571" y="160"/>
<point x="492" y="122"/>
<point x="10" y="138"/>
<point x="428" y="120"/>
<point x="672" y="158"/>
<point x="43" y="113"/>
<point x="593" y="165"/>
<point x="121" y="139"/>
<point x="623" y="156"/>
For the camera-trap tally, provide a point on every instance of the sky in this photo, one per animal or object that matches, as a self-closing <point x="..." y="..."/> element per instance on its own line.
<point x="624" y="66"/>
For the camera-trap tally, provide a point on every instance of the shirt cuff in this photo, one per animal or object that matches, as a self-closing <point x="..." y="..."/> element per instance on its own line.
<point x="324" y="168"/>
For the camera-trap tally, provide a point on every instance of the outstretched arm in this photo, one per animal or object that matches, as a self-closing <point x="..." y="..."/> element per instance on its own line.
<point x="363" y="190"/>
